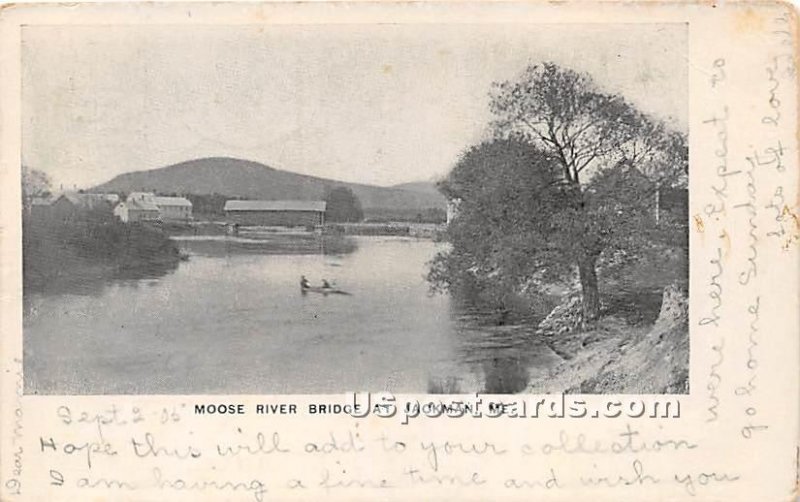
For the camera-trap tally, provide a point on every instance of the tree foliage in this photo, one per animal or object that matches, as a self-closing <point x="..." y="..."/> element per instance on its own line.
<point x="565" y="113"/>
<point x="571" y="174"/>
<point x="35" y="183"/>
<point x="343" y="206"/>
<point x="209" y="205"/>
<point x="508" y="193"/>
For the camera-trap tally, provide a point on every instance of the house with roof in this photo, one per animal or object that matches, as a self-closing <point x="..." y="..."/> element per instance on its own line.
<point x="173" y="208"/>
<point x="39" y="207"/>
<point x="452" y="209"/>
<point x="76" y="205"/>
<point x="169" y="208"/>
<point x="140" y="196"/>
<point x="281" y="213"/>
<point x="136" y="210"/>
<point x="672" y="202"/>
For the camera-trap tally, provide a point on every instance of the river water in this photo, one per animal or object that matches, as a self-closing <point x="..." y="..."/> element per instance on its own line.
<point x="232" y="320"/>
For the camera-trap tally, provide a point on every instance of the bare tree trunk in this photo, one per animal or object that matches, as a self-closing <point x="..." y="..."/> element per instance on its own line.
<point x="587" y="269"/>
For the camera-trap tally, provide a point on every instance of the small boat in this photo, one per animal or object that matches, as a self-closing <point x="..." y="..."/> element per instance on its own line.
<point x="324" y="291"/>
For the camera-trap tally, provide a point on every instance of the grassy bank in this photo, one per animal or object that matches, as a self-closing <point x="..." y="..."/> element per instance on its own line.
<point x="82" y="251"/>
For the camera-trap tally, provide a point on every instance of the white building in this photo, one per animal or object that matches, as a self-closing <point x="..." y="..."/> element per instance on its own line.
<point x="169" y="208"/>
<point x="452" y="209"/>
<point x="174" y="208"/>
<point x="133" y="210"/>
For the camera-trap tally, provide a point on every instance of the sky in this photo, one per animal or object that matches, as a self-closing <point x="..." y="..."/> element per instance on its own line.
<point x="376" y="104"/>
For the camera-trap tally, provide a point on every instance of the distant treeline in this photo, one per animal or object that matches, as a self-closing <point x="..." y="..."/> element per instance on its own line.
<point x="425" y="215"/>
<point x="208" y="205"/>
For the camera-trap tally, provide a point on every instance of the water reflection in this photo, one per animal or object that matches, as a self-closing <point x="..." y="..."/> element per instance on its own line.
<point x="92" y="281"/>
<point x="232" y="319"/>
<point x="501" y="353"/>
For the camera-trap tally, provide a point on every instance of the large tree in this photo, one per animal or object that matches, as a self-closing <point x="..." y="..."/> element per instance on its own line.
<point x="519" y="224"/>
<point x="596" y="144"/>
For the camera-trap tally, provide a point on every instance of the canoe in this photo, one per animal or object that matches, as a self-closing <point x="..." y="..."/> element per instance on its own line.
<point x="324" y="291"/>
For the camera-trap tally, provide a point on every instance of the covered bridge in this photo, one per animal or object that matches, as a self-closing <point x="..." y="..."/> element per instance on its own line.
<point x="282" y="213"/>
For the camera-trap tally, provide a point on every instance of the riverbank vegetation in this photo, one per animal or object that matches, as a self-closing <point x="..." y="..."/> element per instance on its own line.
<point x="91" y="247"/>
<point x="559" y="211"/>
<point x="342" y="206"/>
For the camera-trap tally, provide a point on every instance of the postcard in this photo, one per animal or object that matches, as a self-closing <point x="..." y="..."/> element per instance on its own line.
<point x="399" y="250"/>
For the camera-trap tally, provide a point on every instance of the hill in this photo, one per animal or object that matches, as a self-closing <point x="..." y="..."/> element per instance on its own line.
<point x="252" y="180"/>
<point x="427" y="187"/>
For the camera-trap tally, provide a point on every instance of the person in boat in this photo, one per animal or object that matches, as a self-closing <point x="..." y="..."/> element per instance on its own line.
<point x="326" y="284"/>
<point x="304" y="284"/>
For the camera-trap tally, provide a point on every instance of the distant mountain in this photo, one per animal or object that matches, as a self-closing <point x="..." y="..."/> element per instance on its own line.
<point x="252" y="180"/>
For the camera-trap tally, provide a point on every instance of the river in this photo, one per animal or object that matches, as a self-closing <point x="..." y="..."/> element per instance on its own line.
<point x="232" y="319"/>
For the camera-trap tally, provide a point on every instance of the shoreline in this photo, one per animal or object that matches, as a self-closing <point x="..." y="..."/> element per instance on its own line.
<point x="81" y="255"/>
<point x="218" y="227"/>
<point x="620" y="358"/>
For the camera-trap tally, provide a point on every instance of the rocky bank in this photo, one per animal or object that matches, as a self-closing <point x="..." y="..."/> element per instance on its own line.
<point x="615" y="357"/>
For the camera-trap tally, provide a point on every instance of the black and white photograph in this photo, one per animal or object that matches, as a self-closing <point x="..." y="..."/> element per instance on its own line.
<point x="327" y="208"/>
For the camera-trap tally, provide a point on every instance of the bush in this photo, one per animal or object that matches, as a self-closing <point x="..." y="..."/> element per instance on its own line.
<point x="56" y="250"/>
